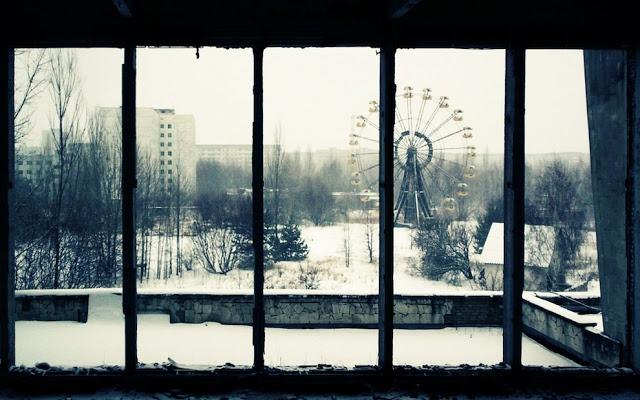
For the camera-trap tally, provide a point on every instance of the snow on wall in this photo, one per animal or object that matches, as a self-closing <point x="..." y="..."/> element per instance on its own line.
<point x="280" y="309"/>
<point x="288" y="309"/>
<point x="571" y="333"/>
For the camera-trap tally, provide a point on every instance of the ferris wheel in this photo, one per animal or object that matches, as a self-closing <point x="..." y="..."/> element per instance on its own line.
<point x="433" y="156"/>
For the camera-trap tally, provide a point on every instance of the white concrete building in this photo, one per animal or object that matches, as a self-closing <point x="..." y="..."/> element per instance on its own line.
<point x="166" y="139"/>
<point x="230" y="154"/>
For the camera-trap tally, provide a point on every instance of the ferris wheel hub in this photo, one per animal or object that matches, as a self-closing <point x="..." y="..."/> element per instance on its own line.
<point x="413" y="147"/>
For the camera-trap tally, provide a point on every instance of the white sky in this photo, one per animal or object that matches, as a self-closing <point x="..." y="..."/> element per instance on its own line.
<point x="312" y="93"/>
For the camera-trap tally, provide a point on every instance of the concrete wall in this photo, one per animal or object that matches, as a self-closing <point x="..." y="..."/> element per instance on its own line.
<point x="569" y="334"/>
<point x="322" y="310"/>
<point x="328" y="310"/>
<point x="52" y="308"/>
<point x="606" y="80"/>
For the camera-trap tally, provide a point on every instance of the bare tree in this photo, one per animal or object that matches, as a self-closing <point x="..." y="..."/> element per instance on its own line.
<point x="102" y="191"/>
<point x="216" y="247"/>
<point x="274" y="178"/>
<point x="557" y="194"/>
<point x="346" y="235"/>
<point x="445" y="249"/>
<point x="66" y="131"/>
<point x="316" y="199"/>
<point x="369" y="231"/>
<point x="146" y="192"/>
<point x="30" y="82"/>
<point x="181" y="190"/>
<point x="539" y="247"/>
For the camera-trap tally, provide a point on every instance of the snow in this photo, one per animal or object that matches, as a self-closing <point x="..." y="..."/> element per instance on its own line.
<point x="591" y="321"/>
<point x="573" y="295"/>
<point x="559" y="310"/>
<point x="100" y="341"/>
<point x="326" y="265"/>
<point x="599" y="327"/>
<point x="66" y="292"/>
<point x="447" y="291"/>
<point x="351" y="347"/>
<point x="326" y="259"/>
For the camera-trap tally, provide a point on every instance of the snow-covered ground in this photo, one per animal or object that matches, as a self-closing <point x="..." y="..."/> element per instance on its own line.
<point x="326" y="261"/>
<point x="326" y="265"/>
<point x="100" y="341"/>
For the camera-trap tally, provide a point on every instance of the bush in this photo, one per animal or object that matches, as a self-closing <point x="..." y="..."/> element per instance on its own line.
<point x="444" y="249"/>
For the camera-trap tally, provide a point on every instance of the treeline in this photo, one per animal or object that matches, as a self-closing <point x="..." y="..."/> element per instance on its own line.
<point x="67" y="208"/>
<point x="67" y="204"/>
<point x="299" y="187"/>
<point x="558" y="203"/>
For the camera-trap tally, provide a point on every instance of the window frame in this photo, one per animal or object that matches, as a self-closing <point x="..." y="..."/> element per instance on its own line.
<point x="514" y="222"/>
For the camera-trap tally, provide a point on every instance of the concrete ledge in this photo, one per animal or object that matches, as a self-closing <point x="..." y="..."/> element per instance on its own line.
<point x="327" y="310"/>
<point x="568" y="333"/>
<point x="281" y="309"/>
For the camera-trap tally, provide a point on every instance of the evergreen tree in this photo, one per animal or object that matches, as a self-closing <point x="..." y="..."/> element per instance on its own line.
<point x="288" y="245"/>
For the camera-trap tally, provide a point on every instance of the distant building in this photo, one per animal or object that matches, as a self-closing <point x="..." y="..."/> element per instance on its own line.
<point x="31" y="163"/>
<point x="230" y="154"/>
<point x="39" y="165"/>
<point x="539" y="242"/>
<point x="164" y="138"/>
<point x="167" y="139"/>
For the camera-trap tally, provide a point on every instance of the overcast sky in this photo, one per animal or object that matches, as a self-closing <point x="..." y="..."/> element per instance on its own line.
<point x="312" y="93"/>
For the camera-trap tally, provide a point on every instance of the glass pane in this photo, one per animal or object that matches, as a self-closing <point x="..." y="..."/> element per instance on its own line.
<point x="562" y="293"/>
<point x="321" y="220"/>
<point x="67" y="204"/>
<point x="448" y="182"/>
<point x="195" y="255"/>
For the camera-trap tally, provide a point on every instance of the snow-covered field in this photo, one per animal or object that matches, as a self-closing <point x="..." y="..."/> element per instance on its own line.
<point x="100" y="341"/>
<point x="326" y="261"/>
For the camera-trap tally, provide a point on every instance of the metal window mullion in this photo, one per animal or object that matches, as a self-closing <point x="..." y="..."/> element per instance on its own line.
<point x="257" y="186"/>
<point x="128" y="208"/>
<point x="7" y="264"/>
<point x="385" y="275"/>
<point x="513" y="206"/>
